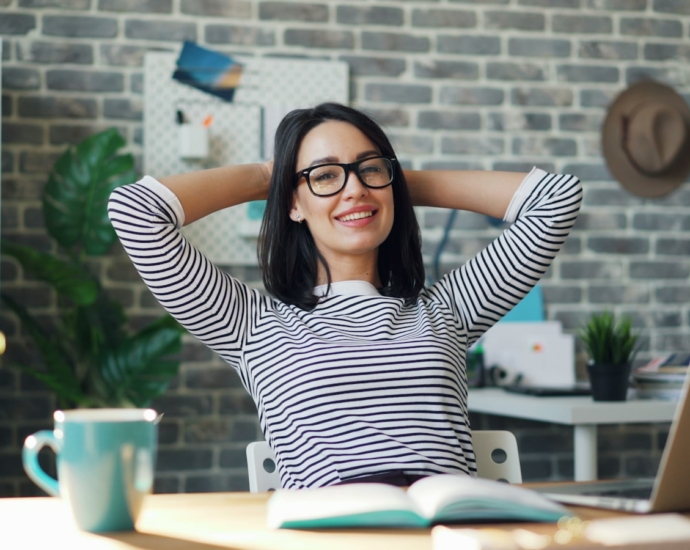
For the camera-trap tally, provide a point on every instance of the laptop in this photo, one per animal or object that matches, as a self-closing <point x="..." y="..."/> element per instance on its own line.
<point x="669" y="491"/>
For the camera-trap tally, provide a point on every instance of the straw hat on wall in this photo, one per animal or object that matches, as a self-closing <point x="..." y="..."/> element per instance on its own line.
<point x="646" y="139"/>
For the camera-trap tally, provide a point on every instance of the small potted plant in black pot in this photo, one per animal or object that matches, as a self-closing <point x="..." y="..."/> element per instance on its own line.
<point x="611" y="345"/>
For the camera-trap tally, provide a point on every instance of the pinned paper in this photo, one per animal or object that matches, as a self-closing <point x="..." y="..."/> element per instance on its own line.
<point x="209" y="71"/>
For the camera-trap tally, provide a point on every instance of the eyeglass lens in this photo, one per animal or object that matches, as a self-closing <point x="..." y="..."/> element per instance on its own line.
<point x="330" y="178"/>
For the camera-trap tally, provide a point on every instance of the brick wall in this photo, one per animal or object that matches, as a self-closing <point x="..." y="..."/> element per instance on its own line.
<point x="492" y="84"/>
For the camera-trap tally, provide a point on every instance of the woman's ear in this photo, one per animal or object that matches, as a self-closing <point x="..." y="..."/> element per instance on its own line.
<point x="296" y="211"/>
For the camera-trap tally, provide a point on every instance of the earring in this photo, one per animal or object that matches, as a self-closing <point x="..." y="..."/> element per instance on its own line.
<point x="299" y="218"/>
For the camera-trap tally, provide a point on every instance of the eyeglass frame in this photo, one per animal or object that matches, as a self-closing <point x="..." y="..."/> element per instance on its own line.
<point x="348" y="167"/>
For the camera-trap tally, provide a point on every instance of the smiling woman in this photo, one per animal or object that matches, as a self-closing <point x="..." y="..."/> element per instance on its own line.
<point x="356" y="369"/>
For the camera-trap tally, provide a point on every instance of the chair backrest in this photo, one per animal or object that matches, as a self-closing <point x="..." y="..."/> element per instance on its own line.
<point x="496" y="452"/>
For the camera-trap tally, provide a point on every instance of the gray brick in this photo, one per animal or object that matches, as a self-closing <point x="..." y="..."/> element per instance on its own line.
<point x="665" y="52"/>
<point x="568" y="4"/>
<point x="216" y="483"/>
<point x="211" y="378"/>
<point x="638" y="26"/>
<point x="57" y="107"/>
<point x="122" y="55"/>
<point x="521" y="21"/>
<point x="311" y="38"/>
<point x="237" y="403"/>
<point x="120" y="271"/>
<point x="582" y="24"/>
<point x="587" y="73"/>
<point x="461" y="95"/>
<point x="389" y="41"/>
<point x="79" y="26"/>
<point x="7" y="105"/>
<point x="7" y="166"/>
<point x="659" y="270"/>
<point x="55" y="52"/>
<point x="573" y="245"/>
<point x="19" y="78"/>
<point x="581" y="122"/>
<point x="370" y="15"/>
<point x="136" y="83"/>
<point x="184" y="459"/>
<point x="463" y="219"/>
<point x="62" y="4"/>
<point x="641" y="466"/>
<point x="412" y="145"/>
<point x="597" y="98"/>
<point x="448" y="120"/>
<point x="617" y="5"/>
<point x="292" y="11"/>
<point x="562" y="294"/>
<point x="462" y="70"/>
<point x="536" y="469"/>
<point x="25" y="408"/>
<point x="236" y="9"/>
<point x="472" y="146"/>
<point x="672" y="294"/>
<point x="667" y="75"/>
<point x="180" y="406"/>
<point x="137" y="6"/>
<point x="233" y="458"/>
<point x="516" y="120"/>
<point x="469" y="45"/>
<point x="672" y="6"/>
<point x="374" y="66"/>
<point x="625" y="441"/>
<point x="535" y="146"/>
<point x="24" y="188"/>
<point x="241" y="36"/>
<point x="591" y="269"/>
<point x="596" y="172"/>
<point x="174" y="31"/>
<point x="33" y="219"/>
<point x="539" y="47"/>
<point x="618" y="245"/>
<point x="84" y="81"/>
<point x="477" y="2"/>
<point x="661" y="221"/>
<point x="398" y="93"/>
<point x="17" y="23"/>
<point x="522" y="166"/>
<point x="37" y="162"/>
<point x="22" y="133"/>
<point x="514" y="71"/>
<point x="123" y="109"/>
<point x="672" y="247"/>
<point x="600" y="220"/>
<point x="455" y="19"/>
<point x="390" y="117"/>
<point x="542" y="97"/>
<point x="545" y="442"/>
<point x="207" y="430"/>
<point x="163" y="485"/>
<point x="599" y="49"/>
<point x="6" y="50"/>
<point x="672" y="342"/>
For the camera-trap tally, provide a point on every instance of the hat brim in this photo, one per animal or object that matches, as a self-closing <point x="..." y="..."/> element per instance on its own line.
<point x="617" y="160"/>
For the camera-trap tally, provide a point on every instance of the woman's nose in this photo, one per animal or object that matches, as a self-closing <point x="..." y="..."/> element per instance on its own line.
<point x="354" y="188"/>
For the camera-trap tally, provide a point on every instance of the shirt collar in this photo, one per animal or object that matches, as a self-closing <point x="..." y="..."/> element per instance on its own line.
<point x="348" y="288"/>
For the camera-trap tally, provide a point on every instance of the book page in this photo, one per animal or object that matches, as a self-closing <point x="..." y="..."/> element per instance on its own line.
<point x="355" y="504"/>
<point x="459" y="496"/>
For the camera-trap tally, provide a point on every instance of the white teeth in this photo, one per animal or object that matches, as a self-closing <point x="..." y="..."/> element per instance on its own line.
<point x="357" y="216"/>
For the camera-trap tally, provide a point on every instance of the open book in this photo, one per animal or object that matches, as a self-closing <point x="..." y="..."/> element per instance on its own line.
<point x="446" y="498"/>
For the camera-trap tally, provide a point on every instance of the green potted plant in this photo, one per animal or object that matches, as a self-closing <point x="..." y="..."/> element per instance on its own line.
<point x="91" y="358"/>
<point x="611" y="346"/>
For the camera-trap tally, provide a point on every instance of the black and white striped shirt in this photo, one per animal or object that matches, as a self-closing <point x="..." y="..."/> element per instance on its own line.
<point x="362" y="384"/>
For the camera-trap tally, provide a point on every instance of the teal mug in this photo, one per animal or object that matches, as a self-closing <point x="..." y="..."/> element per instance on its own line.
<point x="105" y="464"/>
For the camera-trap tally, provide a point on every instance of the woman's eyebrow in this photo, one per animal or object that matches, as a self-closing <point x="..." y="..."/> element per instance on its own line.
<point x="326" y="160"/>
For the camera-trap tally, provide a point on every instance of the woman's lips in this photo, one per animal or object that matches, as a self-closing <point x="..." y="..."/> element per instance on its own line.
<point x="358" y="218"/>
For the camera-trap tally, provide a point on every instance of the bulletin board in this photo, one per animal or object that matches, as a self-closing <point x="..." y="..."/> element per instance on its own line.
<point x="241" y="132"/>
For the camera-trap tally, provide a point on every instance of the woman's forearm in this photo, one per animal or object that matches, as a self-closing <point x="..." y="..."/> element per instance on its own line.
<point x="485" y="192"/>
<point x="204" y="192"/>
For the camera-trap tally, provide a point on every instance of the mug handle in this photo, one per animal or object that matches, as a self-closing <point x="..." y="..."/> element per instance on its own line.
<point x="32" y="445"/>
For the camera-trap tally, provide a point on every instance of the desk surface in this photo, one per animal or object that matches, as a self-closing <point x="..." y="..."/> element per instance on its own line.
<point x="209" y="521"/>
<point x="568" y="410"/>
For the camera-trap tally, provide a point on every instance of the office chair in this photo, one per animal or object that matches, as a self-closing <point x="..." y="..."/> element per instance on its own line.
<point x="496" y="452"/>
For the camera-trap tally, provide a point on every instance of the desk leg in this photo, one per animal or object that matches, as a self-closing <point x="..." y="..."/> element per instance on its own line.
<point x="585" y="440"/>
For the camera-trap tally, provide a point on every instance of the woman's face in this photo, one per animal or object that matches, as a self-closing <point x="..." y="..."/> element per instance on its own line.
<point x="355" y="221"/>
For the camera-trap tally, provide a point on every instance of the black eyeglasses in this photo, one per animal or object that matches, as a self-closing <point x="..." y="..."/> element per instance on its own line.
<point x="325" y="180"/>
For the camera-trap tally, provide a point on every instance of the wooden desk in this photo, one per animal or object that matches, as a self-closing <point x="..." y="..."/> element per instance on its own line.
<point x="582" y="413"/>
<point x="210" y="521"/>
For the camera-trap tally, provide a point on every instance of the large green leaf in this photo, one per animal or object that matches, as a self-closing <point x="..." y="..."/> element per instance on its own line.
<point x="76" y="195"/>
<point x="140" y="369"/>
<point x="68" y="278"/>
<point x="60" y="375"/>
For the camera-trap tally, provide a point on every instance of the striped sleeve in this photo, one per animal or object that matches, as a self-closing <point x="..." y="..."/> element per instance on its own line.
<point x="211" y="305"/>
<point x="543" y="209"/>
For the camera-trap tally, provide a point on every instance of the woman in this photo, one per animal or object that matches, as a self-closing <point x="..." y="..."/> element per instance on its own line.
<point x="357" y="371"/>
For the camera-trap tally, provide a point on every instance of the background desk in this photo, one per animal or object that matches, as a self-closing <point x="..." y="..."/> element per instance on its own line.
<point x="216" y="521"/>
<point x="580" y="412"/>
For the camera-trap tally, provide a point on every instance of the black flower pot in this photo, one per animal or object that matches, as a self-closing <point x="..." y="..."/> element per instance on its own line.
<point x="609" y="382"/>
